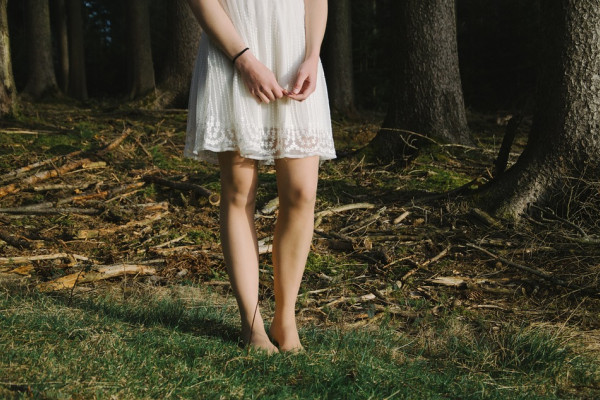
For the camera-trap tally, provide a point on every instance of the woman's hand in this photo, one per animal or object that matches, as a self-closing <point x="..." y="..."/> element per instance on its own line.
<point x="306" y="80"/>
<point x="259" y="79"/>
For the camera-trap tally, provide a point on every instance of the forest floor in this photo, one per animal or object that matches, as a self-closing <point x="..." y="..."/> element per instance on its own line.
<point x="410" y="290"/>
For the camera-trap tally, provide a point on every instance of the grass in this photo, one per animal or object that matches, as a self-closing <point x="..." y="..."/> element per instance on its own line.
<point x="181" y="342"/>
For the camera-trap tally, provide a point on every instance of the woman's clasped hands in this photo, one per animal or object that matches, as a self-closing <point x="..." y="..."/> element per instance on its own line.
<point x="263" y="85"/>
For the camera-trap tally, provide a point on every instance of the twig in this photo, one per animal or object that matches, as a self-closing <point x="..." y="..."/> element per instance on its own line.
<point x="200" y="190"/>
<point x="426" y="263"/>
<point x="402" y="217"/>
<point x="553" y="214"/>
<point x="165" y="244"/>
<point x="533" y="271"/>
<point x="364" y="222"/>
<point x="507" y="141"/>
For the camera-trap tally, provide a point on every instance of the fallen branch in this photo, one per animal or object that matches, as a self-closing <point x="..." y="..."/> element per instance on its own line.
<point x="41" y="257"/>
<point x="20" y="241"/>
<point x="170" y="250"/>
<point x="450" y="281"/>
<point x="49" y="211"/>
<point x="94" y="233"/>
<point x="485" y="218"/>
<point x="104" y="272"/>
<point x="319" y="216"/>
<point x="344" y="299"/>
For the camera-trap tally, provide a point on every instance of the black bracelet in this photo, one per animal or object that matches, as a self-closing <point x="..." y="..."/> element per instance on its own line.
<point x="239" y="54"/>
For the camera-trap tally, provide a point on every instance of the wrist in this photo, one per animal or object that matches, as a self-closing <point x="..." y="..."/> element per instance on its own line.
<point x="244" y="60"/>
<point x="238" y="55"/>
<point x="312" y="57"/>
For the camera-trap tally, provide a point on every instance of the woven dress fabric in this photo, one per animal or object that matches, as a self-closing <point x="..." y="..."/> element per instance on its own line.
<point x="224" y="116"/>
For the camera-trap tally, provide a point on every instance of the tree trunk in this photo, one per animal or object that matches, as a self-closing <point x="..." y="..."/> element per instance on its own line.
<point x="427" y="93"/>
<point x="41" y="80"/>
<point x="338" y="57"/>
<point x="140" y="62"/>
<point x="77" y="76"/>
<point x="184" y="40"/>
<point x="62" y="43"/>
<point x="8" y="101"/>
<point x="564" y="141"/>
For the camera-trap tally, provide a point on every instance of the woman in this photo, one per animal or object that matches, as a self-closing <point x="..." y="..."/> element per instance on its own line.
<point x="259" y="94"/>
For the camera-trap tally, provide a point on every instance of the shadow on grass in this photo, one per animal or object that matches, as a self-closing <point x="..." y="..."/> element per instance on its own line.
<point x="169" y="313"/>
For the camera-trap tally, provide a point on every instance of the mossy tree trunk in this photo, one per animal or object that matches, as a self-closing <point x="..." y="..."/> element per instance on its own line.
<point x="140" y="61"/>
<point x="8" y="93"/>
<point x="184" y="40"/>
<point x="338" y="57"/>
<point x="427" y="96"/>
<point x="565" y="137"/>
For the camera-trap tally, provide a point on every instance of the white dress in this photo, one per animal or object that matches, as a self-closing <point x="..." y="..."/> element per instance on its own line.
<point x="224" y="116"/>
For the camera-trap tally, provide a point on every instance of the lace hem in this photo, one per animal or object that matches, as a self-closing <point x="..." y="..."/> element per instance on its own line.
<point x="263" y="144"/>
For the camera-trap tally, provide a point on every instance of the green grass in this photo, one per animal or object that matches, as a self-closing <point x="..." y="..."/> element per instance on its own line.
<point x="149" y="344"/>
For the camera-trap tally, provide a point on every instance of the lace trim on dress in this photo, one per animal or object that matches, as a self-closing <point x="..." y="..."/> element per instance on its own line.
<point x="264" y="144"/>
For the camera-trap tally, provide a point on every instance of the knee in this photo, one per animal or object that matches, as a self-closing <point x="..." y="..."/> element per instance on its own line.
<point x="299" y="197"/>
<point x="239" y="196"/>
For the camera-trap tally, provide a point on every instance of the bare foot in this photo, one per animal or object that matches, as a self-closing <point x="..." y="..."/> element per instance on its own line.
<point x="286" y="336"/>
<point x="259" y="341"/>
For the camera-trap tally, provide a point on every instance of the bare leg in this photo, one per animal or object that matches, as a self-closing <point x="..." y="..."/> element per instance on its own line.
<point x="297" y="180"/>
<point x="239" y="178"/>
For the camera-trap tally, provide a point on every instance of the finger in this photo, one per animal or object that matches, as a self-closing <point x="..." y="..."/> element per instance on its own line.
<point x="300" y="81"/>
<point x="279" y="92"/>
<point x="306" y="91"/>
<point x="263" y="98"/>
<point x="268" y="93"/>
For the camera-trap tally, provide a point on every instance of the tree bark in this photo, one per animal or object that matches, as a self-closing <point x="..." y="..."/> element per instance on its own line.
<point x="564" y="141"/>
<point x="338" y="57"/>
<point x="140" y="62"/>
<point x="179" y="63"/>
<point x="41" y="80"/>
<point x="62" y="43"/>
<point x="77" y="75"/>
<point x="8" y="93"/>
<point x="427" y="92"/>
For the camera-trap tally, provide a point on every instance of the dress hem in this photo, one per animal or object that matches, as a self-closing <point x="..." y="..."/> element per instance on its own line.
<point x="210" y="155"/>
